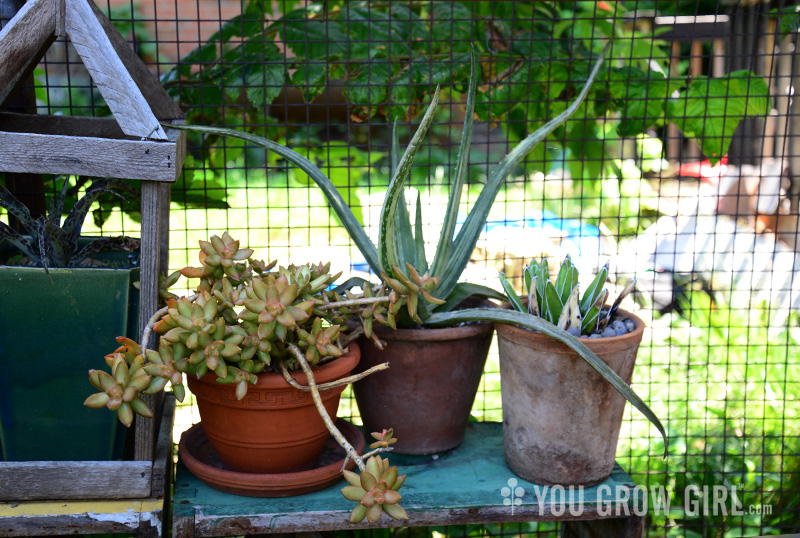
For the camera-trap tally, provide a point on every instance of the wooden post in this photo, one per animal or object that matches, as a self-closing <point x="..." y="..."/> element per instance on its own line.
<point x="768" y="147"/>
<point x="673" y="135"/>
<point x="148" y="299"/>
<point x="27" y="188"/>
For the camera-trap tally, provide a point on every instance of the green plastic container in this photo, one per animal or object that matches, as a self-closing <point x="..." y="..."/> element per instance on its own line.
<point x="51" y="334"/>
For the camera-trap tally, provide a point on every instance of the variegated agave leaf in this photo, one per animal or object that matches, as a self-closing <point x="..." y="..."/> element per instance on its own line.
<point x="52" y="244"/>
<point x="10" y="234"/>
<point x="104" y="244"/>
<point x="17" y="210"/>
<point x="77" y="215"/>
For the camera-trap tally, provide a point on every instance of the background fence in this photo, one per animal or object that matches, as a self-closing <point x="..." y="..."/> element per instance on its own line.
<point x="713" y="245"/>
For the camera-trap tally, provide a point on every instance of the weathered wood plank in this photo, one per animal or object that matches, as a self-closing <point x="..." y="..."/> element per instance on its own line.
<point x="207" y="526"/>
<point x="51" y="124"/>
<point x="97" y="157"/>
<point x="469" y="485"/>
<point x="23" y="42"/>
<point x="109" y="74"/>
<point x="61" y="11"/>
<point x="166" y="197"/>
<point x="32" y="480"/>
<point x="82" y="517"/>
<point x="162" y="460"/>
<point x="162" y="105"/>
<point x="628" y="527"/>
<point x="148" y="298"/>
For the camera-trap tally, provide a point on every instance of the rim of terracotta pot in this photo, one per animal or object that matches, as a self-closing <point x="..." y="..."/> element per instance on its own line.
<point x="609" y="344"/>
<point x="329" y="371"/>
<point x="266" y="484"/>
<point x="435" y="334"/>
<point x="440" y="334"/>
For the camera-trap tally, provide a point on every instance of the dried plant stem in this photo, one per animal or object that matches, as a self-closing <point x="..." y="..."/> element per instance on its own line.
<point x="354" y="302"/>
<point x="323" y="413"/>
<point x="345" y="339"/>
<point x="333" y="384"/>
<point x="151" y="323"/>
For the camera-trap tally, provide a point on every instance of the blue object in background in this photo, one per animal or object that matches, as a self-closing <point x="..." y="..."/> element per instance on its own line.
<point x="578" y="239"/>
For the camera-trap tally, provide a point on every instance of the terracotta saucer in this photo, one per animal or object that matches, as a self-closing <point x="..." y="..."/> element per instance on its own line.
<point x="198" y="455"/>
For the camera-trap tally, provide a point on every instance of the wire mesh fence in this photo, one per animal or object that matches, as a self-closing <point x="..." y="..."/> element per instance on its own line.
<point x="679" y="170"/>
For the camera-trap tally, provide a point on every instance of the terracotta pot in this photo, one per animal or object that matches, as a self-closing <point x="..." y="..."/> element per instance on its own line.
<point x="561" y="419"/>
<point x="275" y="428"/>
<point x="427" y="393"/>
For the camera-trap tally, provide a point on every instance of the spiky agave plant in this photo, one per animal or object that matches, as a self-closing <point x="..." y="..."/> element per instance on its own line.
<point x="49" y="242"/>
<point x="561" y="303"/>
<point x="433" y="289"/>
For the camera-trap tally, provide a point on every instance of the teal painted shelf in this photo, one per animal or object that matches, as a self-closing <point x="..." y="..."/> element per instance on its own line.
<point x="469" y="484"/>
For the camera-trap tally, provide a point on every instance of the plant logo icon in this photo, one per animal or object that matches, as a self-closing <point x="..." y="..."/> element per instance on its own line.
<point x="512" y="495"/>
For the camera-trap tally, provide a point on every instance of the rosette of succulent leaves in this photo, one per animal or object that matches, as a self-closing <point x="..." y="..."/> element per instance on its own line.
<point x="246" y="317"/>
<point x="561" y="303"/>
<point x="50" y="242"/>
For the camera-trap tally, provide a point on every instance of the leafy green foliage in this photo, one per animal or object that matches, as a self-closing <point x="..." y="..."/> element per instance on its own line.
<point x="244" y="319"/>
<point x="713" y="109"/>
<point x="391" y="56"/>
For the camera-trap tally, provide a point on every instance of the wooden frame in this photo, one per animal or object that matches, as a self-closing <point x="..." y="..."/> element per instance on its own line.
<point x="135" y="143"/>
<point x="89" y="511"/>
<point x="462" y="486"/>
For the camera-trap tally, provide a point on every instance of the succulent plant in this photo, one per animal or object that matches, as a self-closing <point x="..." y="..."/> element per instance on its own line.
<point x="49" y="242"/>
<point x="375" y="491"/>
<point x="244" y="319"/>
<point x="560" y="303"/>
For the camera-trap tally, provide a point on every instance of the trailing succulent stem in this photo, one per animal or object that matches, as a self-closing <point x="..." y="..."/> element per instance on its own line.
<point x="49" y="242"/>
<point x="245" y="318"/>
<point x="248" y="317"/>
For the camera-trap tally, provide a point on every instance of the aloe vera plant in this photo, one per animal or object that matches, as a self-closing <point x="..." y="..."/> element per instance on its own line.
<point x="49" y="242"/>
<point x="560" y="303"/>
<point x="433" y="289"/>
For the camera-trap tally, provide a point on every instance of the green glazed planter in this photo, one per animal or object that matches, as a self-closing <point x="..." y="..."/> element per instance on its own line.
<point x="51" y="334"/>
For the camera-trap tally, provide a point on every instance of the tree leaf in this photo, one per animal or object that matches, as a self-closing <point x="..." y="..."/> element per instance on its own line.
<point x="314" y="38"/>
<point x="368" y="85"/>
<point x="711" y="109"/>
<point x="310" y="77"/>
<point x="640" y="96"/>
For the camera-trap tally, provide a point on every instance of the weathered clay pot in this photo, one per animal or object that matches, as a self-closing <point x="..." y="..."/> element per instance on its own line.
<point x="275" y="428"/>
<point x="561" y="419"/>
<point x="427" y="393"/>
